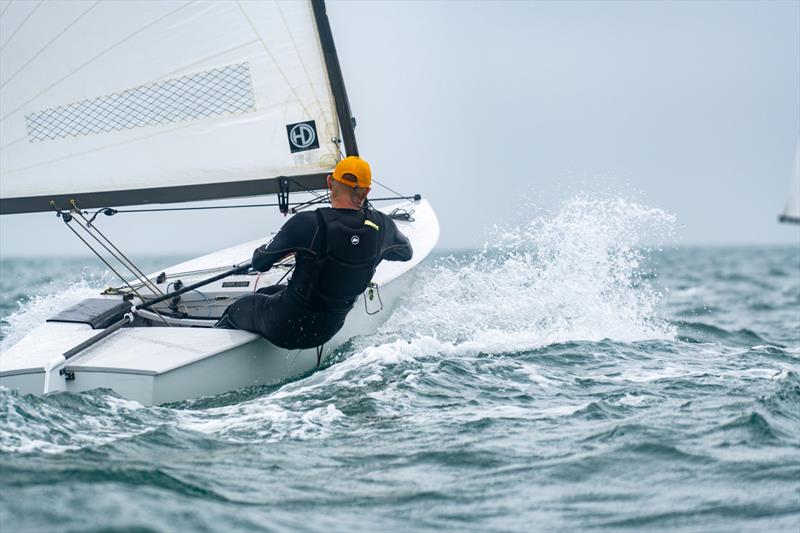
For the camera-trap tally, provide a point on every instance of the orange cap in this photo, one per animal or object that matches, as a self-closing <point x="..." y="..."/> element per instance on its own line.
<point x="357" y="167"/>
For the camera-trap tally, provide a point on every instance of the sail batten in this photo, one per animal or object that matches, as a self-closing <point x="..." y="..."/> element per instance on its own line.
<point x="122" y="102"/>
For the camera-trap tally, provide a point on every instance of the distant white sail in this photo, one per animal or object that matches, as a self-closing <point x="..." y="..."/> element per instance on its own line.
<point x="791" y="213"/>
<point x="160" y="101"/>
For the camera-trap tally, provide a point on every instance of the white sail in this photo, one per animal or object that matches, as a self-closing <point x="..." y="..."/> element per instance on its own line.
<point x="791" y="212"/>
<point x="155" y="100"/>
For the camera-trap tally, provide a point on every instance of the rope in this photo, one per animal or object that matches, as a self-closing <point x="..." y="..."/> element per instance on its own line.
<point x="127" y="263"/>
<point x="288" y="271"/>
<point x="208" y="303"/>
<point x="67" y="220"/>
<point x="338" y="143"/>
<point x="320" y="348"/>
<point x="373" y="289"/>
<point x="89" y="246"/>
<point x="110" y="211"/>
<point x="281" y="263"/>
<point x="387" y="188"/>
<point x="402" y="214"/>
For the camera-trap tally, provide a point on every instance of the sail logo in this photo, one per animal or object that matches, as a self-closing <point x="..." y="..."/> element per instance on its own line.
<point x="302" y="136"/>
<point x="354" y="240"/>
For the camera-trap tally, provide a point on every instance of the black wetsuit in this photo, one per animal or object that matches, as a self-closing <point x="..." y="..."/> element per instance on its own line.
<point x="336" y="253"/>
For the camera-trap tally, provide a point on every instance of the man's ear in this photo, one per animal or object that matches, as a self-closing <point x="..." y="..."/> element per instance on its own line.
<point x="328" y="179"/>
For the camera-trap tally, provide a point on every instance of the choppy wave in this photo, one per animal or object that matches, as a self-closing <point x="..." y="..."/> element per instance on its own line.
<point x="40" y="307"/>
<point x="577" y="275"/>
<point x="564" y="377"/>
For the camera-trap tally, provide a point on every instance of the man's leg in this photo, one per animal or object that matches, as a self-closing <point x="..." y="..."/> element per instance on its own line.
<point x="271" y="290"/>
<point x="249" y="313"/>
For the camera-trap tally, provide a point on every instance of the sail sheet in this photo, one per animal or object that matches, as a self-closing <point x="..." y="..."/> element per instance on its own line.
<point x="125" y="102"/>
<point x="791" y="212"/>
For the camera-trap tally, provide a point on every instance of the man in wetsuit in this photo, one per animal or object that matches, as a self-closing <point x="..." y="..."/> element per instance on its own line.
<point x="336" y="252"/>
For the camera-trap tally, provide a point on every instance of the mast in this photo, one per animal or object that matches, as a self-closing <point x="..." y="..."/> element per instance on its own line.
<point x="347" y="122"/>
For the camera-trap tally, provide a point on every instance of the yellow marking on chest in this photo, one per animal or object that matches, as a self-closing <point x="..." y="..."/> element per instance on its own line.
<point x="372" y="225"/>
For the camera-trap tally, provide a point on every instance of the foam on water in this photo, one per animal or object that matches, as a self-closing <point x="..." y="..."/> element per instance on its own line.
<point x="41" y="307"/>
<point x="538" y="375"/>
<point x="575" y="275"/>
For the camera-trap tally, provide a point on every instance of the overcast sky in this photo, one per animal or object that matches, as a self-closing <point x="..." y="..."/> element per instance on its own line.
<point x="693" y="107"/>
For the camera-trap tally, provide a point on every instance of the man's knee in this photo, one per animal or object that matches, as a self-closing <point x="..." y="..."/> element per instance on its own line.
<point x="225" y="322"/>
<point x="244" y="313"/>
<point x="271" y="290"/>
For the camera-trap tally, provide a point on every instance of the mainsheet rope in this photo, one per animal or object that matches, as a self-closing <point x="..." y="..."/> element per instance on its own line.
<point x="108" y="211"/>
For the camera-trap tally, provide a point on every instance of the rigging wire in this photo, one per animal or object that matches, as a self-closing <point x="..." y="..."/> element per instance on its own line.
<point x="312" y="191"/>
<point x="391" y="190"/>
<point x="110" y="211"/>
<point x="127" y="263"/>
<point x="283" y="263"/>
<point x="69" y="218"/>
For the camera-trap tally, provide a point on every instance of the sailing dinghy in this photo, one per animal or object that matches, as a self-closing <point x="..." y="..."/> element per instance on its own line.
<point x="791" y="211"/>
<point x="111" y="104"/>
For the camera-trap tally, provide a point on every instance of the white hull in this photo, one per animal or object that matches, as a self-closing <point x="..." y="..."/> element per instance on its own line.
<point x="159" y="364"/>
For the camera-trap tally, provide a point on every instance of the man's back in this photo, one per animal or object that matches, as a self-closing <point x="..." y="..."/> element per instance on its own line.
<point x="336" y="253"/>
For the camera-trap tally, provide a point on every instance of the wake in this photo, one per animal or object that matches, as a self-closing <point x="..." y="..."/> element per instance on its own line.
<point x="576" y="275"/>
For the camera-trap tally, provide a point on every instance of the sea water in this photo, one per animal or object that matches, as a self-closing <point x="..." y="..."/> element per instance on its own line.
<point x="567" y="376"/>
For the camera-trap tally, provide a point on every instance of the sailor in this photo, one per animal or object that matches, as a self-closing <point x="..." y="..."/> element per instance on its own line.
<point x="336" y="249"/>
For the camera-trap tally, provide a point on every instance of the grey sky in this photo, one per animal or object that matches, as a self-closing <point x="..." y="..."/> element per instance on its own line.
<point x="693" y="107"/>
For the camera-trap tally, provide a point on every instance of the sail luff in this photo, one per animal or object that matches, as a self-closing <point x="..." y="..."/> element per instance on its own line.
<point x="346" y="119"/>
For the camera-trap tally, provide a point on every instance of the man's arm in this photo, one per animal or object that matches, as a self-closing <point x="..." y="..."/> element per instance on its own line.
<point x="297" y="234"/>
<point x="396" y="246"/>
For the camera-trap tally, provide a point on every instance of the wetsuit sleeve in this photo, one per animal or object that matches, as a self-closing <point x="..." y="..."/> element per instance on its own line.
<point x="297" y="234"/>
<point x="396" y="246"/>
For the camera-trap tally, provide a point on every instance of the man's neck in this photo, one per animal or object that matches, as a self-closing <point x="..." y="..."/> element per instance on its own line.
<point x="343" y="204"/>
